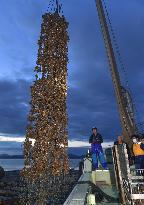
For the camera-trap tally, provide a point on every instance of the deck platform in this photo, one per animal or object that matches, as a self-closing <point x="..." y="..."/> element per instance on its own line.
<point x="79" y="193"/>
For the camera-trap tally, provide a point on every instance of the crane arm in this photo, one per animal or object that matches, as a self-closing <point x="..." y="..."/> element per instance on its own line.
<point x="127" y="128"/>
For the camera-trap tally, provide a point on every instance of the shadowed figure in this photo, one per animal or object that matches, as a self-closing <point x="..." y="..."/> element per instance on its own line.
<point x="96" y="149"/>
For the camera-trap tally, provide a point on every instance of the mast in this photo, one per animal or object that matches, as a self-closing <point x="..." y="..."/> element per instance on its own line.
<point x="128" y="125"/>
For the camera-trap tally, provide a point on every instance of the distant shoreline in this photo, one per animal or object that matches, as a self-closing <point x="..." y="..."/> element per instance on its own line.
<point x="7" y="156"/>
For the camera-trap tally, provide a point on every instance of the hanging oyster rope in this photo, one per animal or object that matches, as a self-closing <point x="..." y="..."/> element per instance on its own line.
<point x="47" y="126"/>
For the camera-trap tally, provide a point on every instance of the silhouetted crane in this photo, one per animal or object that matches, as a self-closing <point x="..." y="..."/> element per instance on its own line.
<point x="124" y="101"/>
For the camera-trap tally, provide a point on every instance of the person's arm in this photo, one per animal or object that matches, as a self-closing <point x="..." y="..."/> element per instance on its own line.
<point x="142" y="146"/>
<point x="100" y="138"/>
<point x="115" y="143"/>
<point x="90" y="139"/>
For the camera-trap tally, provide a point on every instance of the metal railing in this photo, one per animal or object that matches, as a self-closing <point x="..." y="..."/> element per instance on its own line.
<point x="130" y="182"/>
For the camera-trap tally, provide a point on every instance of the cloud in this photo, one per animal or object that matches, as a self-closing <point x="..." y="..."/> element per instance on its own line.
<point x="91" y="99"/>
<point x="78" y="143"/>
<point x="71" y="143"/>
<point x="11" y="139"/>
<point x="14" y="106"/>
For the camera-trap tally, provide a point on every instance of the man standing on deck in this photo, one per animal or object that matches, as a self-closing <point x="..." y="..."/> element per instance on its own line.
<point x="97" y="152"/>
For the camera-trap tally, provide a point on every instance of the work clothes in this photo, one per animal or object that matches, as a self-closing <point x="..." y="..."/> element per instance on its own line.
<point x="97" y="151"/>
<point x="142" y="146"/>
<point x="137" y="149"/>
<point x="98" y="155"/>
<point x="139" y="162"/>
<point x="96" y="138"/>
<point x="139" y="157"/>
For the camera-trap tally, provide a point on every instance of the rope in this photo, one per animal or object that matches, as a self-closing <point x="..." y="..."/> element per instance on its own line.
<point x="55" y="6"/>
<point x="116" y="44"/>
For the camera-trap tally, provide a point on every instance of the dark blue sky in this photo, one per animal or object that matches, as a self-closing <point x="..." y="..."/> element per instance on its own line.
<point x="91" y="100"/>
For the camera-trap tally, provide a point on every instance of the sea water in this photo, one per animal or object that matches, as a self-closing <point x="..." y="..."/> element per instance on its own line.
<point x="17" y="164"/>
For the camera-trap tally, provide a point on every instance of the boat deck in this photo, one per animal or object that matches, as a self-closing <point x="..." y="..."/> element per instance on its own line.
<point x="79" y="193"/>
<point x="104" y="193"/>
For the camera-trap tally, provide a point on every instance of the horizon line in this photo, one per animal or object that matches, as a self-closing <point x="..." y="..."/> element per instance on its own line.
<point x="71" y="143"/>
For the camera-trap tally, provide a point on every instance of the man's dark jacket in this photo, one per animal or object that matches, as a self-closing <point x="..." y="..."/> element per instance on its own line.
<point x="97" y="139"/>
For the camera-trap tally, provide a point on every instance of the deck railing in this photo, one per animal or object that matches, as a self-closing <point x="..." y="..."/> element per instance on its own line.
<point x="130" y="182"/>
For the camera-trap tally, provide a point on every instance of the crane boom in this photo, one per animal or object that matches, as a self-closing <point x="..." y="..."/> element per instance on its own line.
<point x="128" y="125"/>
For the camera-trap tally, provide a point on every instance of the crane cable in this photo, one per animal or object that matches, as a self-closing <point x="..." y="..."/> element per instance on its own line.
<point x="122" y="66"/>
<point x="116" y="44"/>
